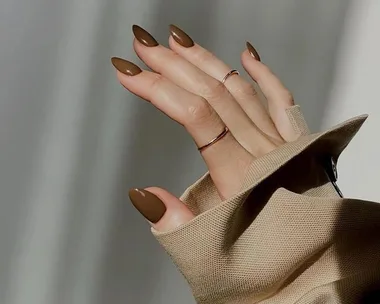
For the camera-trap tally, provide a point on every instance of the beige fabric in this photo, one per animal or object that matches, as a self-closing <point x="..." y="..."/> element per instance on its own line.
<point x="287" y="237"/>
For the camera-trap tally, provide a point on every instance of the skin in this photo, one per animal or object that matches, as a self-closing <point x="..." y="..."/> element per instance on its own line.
<point x="192" y="75"/>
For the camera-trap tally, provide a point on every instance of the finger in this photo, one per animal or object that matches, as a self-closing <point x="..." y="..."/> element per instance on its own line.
<point x="162" y="209"/>
<point x="187" y="76"/>
<point x="279" y="98"/>
<point x="242" y="90"/>
<point x="226" y="159"/>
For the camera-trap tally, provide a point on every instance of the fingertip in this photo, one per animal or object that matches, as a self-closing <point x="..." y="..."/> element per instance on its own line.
<point x="177" y="213"/>
<point x="125" y="81"/>
<point x="125" y="67"/>
<point x="120" y="76"/>
<point x="179" y="49"/>
<point x="159" y="192"/>
<point x="137" y="84"/>
<point x="246" y="56"/>
<point x="148" y="204"/>
<point x="250" y="64"/>
<point x="249" y="61"/>
<point x="252" y="51"/>
<point x="139" y="48"/>
<point x="170" y="200"/>
<point x="136" y="45"/>
<point x="172" y="43"/>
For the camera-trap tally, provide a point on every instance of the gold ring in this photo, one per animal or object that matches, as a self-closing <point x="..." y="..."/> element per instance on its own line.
<point x="230" y="73"/>
<point x="214" y="140"/>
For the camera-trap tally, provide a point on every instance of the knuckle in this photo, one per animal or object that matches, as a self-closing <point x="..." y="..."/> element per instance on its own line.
<point x="174" y="57"/>
<point x="213" y="90"/>
<point x="156" y="83"/>
<point x="199" y="111"/>
<point x="246" y="89"/>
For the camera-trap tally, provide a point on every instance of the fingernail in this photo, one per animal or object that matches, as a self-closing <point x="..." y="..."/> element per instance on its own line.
<point x="253" y="51"/>
<point x="148" y="204"/>
<point x="180" y="36"/>
<point x="126" y="67"/>
<point x="143" y="36"/>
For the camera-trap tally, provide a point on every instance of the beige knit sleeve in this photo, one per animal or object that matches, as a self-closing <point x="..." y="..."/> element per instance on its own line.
<point x="287" y="236"/>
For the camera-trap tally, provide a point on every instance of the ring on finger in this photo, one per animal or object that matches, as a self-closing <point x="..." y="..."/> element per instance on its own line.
<point x="230" y="73"/>
<point x="214" y="140"/>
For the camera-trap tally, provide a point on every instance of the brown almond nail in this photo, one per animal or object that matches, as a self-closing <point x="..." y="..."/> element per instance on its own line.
<point x="126" y="67"/>
<point x="253" y="51"/>
<point x="143" y="36"/>
<point x="180" y="36"/>
<point x="148" y="204"/>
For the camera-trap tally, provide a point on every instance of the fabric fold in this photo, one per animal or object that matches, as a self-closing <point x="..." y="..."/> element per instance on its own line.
<point x="286" y="237"/>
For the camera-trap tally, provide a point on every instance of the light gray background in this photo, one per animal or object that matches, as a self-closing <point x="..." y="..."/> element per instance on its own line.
<point x="73" y="141"/>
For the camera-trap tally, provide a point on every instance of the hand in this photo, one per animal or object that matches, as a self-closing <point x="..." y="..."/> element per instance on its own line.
<point x="187" y="86"/>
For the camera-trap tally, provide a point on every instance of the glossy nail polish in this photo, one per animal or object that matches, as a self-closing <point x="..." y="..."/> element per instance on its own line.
<point x="143" y="36"/>
<point x="180" y="36"/>
<point x="126" y="67"/>
<point x="253" y="51"/>
<point x="148" y="204"/>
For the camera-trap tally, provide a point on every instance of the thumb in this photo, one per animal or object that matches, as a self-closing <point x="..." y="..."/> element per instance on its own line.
<point x="162" y="209"/>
